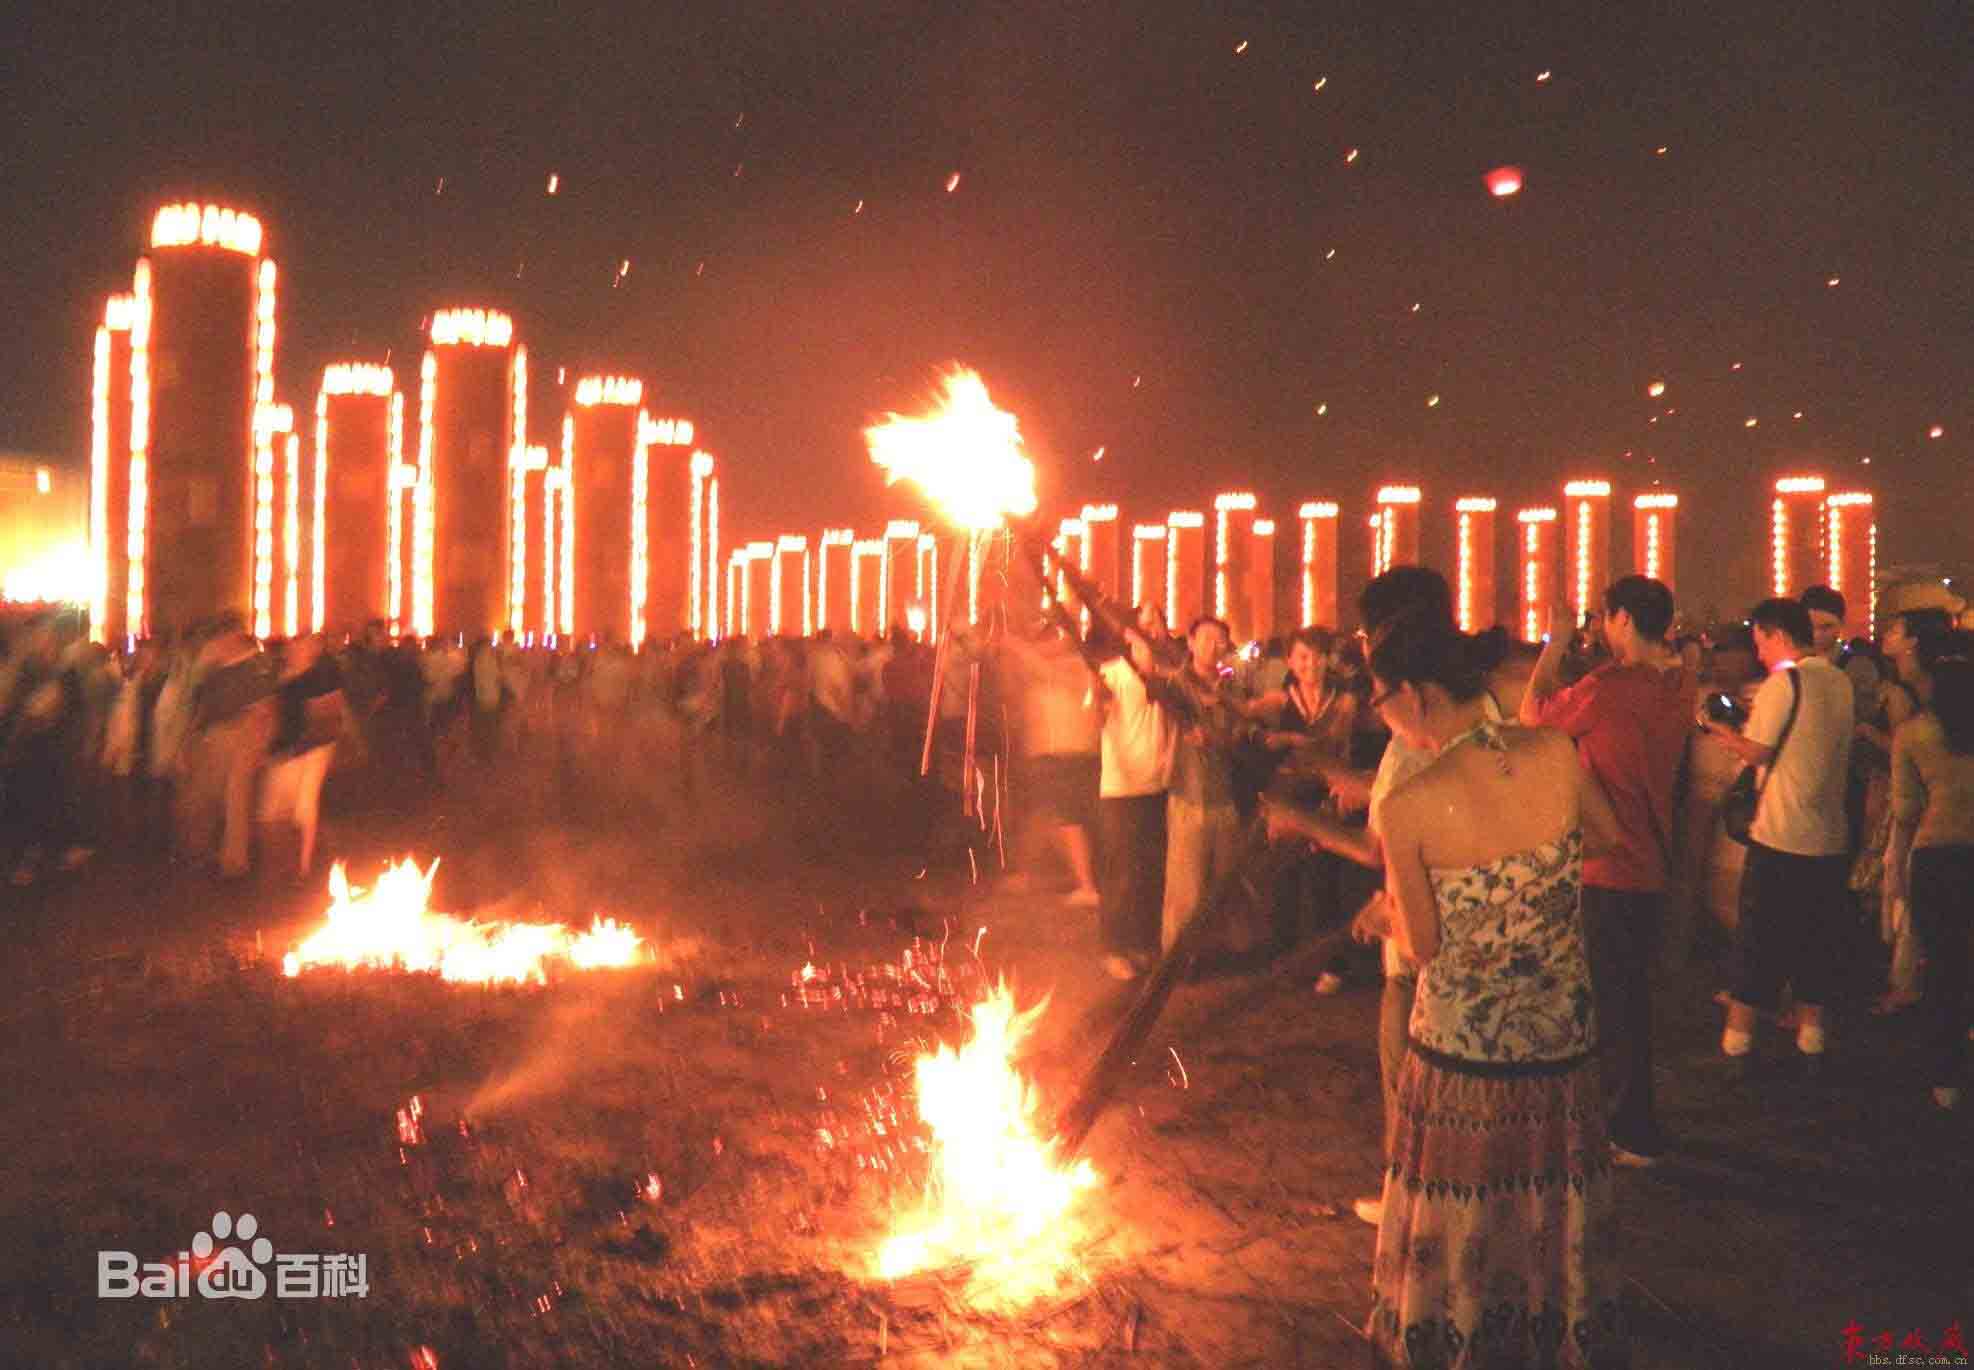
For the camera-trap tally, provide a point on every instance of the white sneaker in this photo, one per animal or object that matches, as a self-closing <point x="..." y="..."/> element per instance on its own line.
<point x="1370" y="1211"/>
<point x="1329" y="982"/>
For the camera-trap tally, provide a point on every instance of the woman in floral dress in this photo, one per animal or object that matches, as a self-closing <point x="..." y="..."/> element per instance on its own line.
<point x="1496" y="1246"/>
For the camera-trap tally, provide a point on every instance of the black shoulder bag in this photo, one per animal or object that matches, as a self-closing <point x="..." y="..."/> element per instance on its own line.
<point x="1744" y="796"/>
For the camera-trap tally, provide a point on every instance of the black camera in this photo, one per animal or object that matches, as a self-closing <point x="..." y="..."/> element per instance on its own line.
<point x="1726" y="709"/>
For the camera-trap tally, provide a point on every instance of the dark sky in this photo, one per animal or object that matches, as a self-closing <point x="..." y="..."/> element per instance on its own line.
<point x="1136" y="256"/>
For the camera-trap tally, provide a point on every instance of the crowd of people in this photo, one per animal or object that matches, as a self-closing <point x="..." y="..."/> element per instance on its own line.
<point x="1502" y="819"/>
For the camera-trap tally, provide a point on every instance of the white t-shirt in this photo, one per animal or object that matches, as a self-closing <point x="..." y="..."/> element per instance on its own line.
<point x="1802" y="804"/>
<point x="1137" y="739"/>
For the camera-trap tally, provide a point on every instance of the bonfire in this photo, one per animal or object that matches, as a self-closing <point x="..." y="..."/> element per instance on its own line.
<point x="1000" y="1202"/>
<point x="391" y="926"/>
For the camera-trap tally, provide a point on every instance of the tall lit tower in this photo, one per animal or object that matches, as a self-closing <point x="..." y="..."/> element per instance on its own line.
<point x="1397" y="527"/>
<point x="835" y="590"/>
<point x="1103" y="560"/>
<point x="1233" y="524"/>
<point x="926" y="573"/>
<point x="202" y="333"/>
<point x="472" y="435"/>
<point x="109" y="473"/>
<point x="1537" y="528"/>
<point x="612" y="475"/>
<point x="1258" y="583"/>
<point x="1851" y="535"/>
<point x="349" y="534"/>
<point x="1319" y="563"/>
<point x="1654" y="541"/>
<point x="676" y="524"/>
<point x="1474" y="594"/>
<point x="1185" y="567"/>
<point x="898" y="575"/>
<point x="791" y="587"/>
<point x="703" y="547"/>
<point x="1587" y="515"/>
<point x="1147" y="563"/>
<point x="867" y="567"/>
<point x="1795" y="535"/>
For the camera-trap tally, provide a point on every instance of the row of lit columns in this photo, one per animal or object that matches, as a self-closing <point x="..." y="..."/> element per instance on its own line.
<point x="1821" y="536"/>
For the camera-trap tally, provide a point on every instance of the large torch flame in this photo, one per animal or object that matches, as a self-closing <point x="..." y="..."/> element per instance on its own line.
<point x="998" y="1200"/>
<point x="965" y="455"/>
<point x="390" y="926"/>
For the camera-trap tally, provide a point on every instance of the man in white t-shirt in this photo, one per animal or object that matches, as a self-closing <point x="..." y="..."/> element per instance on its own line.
<point x="1136" y="747"/>
<point x="1795" y="898"/>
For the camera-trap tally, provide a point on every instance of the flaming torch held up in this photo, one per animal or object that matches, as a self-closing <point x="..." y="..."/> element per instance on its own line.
<point x="966" y="457"/>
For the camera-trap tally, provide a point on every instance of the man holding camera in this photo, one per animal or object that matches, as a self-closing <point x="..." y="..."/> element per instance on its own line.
<point x="1629" y="718"/>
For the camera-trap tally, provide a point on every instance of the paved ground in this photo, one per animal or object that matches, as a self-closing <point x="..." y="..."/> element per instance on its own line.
<point x="682" y="1166"/>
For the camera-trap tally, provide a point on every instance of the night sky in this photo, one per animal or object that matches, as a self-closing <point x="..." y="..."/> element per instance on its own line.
<point x="1137" y="254"/>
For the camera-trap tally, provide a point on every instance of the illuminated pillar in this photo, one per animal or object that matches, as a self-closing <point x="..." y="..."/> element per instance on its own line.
<point x="1538" y="558"/>
<point x="756" y="588"/>
<point x="1796" y="555"/>
<point x="898" y="574"/>
<point x="675" y="525"/>
<point x="1147" y="563"/>
<point x="733" y="624"/>
<point x="1587" y="523"/>
<point x="202" y="368"/>
<point x="835" y="588"/>
<point x="1258" y="586"/>
<point x="109" y="473"/>
<point x="1185" y="568"/>
<point x="608" y="441"/>
<point x="1851" y="537"/>
<point x="467" y="446"/>
<point x="926" y="576"/>
<point x="353" y="482"/>
<point x="791" y="577"/>
<point x="1069" y="540"/>
<point x="1233" y="522"/>
<point x="1102" y="554"/>
<point x="712" y="559"/>
<point x="1654" y="525"/>
<point x="1319" y="563"/>
<point x="867" y="558"/>
<point x="1396" y="528"/>
<point x="1474" y="590"/>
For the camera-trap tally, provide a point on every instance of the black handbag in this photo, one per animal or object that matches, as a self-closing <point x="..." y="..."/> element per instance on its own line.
<point x="1744" y="796"/>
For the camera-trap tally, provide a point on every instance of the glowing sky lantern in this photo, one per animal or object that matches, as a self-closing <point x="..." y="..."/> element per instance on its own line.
<point x="1656" y="389"/>
<point x="1504" y="181"/>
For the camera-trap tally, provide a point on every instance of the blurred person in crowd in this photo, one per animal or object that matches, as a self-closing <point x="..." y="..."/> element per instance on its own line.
<point x="1496" y="1240"/>
<point x="41" y="727"/>
<point x="1630" y="719"/>
<point x="1202" y="821"/>
<point x="1930" y="861"/>
<point x="1795" y="882"/>
<point x="233" y="721"/>
<point x="308" y="722"/>
<point x="1827" y="608"/>
<point x="1060" y="749"/>
<point x="1136" y="747"/>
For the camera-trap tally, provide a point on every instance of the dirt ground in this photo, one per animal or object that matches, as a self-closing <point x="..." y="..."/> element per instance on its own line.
<point x="685" y="1165"/>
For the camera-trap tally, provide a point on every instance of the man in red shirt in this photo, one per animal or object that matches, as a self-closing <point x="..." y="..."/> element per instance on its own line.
<point x="1630" y="719"/>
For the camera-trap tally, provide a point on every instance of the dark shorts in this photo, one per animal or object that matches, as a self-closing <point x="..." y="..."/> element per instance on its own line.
<point x="1794" y="927"/>
<point x="1064" y="787"/>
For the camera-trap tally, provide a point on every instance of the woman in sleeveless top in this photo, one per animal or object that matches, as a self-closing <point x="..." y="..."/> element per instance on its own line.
<point x="1496" y="1246"/>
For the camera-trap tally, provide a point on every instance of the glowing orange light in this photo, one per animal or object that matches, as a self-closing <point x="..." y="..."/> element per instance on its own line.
<point x="423" y="512"/>
<point x="140" y="444"/>
<point x="1474" y="550"/>
<point x="1504" y="181"/>
<point x="928" y="577"/>
<point x="99" y="485"/>
<point x="1143" y="538"/>
<point x="1183" y="550"/>
<point x="565" y="581"/>
<point x="194" y="225"/>
<point x="517" y="510"/>
<point x="712" y="548"/>
<point x="1656" y="389"/>
<point x="471" y="328"/>
<point x="1000" y="1203"/>
<point x="394" y="515"/>
<point x="1936" y="431"/>
<point x="622" y="390"/>
<point x="897" y="531"/>
<point x="966" y="455"/>
<point x="699" y="614"/>
<point x="1319" y="561"/>
<point x="1538" y="572"/>
<point x="952" y="183"/>
<point x="640" y="531"/>
<point x="861" y="551"/>
<point x="833" y="538"/>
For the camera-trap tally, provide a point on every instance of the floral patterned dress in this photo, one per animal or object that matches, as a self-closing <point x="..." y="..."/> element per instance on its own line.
<point x="1496" y="1248"/>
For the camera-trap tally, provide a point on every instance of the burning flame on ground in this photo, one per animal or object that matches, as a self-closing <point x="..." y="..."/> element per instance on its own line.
<point x="391" y="926"/>
<point x="965" y="455"/>
<point x="998" y="1200"/>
